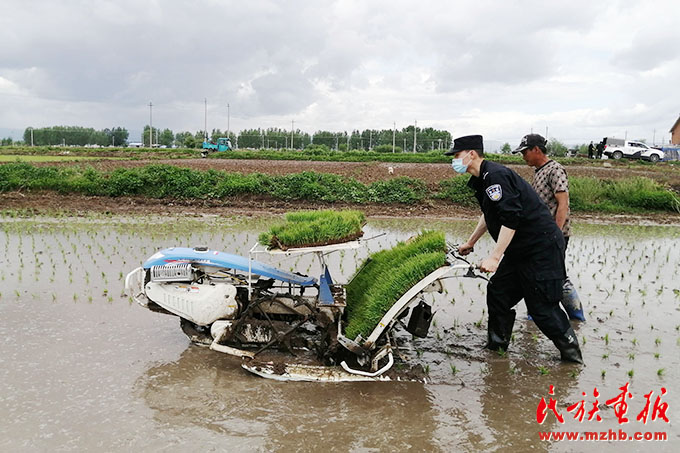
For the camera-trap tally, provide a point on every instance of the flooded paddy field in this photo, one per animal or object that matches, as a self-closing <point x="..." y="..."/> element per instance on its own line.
<point x="82" y="367"/>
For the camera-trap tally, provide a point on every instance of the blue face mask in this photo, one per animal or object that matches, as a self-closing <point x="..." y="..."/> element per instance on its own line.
<point x="458" y="165"/>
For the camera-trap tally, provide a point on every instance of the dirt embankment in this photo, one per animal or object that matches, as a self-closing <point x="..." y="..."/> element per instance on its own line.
<point x="365" y="172"/>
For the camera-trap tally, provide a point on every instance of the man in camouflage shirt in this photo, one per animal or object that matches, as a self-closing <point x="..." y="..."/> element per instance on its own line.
<point x="552" y="186"/>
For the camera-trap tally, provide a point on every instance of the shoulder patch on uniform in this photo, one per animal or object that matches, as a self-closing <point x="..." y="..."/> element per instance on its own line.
<point x="494" y="192"/>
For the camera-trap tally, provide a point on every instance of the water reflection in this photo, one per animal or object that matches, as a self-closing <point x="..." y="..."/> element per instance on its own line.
<point x="204" y="390"/>
<point x="510" y="394"/>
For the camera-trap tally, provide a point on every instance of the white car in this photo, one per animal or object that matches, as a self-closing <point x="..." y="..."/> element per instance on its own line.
<point x="632" y="150"/>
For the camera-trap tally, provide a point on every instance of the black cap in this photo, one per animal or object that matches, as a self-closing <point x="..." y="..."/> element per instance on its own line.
<point x="468" y="142"/>
<point x="529" y="141"/>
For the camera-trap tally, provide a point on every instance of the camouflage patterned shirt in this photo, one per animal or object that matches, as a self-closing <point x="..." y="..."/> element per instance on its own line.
<point x="548" y="180"/>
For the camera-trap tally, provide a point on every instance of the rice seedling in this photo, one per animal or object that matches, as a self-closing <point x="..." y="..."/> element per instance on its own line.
<point x="309" y="228"/>
<point x="631" y="373"/>
<point x="543" y="370"/>
<point x="386" y="275"/>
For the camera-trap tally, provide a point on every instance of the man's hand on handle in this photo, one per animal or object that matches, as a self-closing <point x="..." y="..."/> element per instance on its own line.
<point x="489" y="264"/>
<point x="465" y="249"/>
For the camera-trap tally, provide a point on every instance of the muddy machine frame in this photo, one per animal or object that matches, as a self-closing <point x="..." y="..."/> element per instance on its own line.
<point x="284" y="325"/>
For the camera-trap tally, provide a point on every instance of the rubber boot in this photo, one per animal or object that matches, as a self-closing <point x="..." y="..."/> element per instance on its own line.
<point x="571" y="302"/>
<point x="568" y="346"/>
<point x="499" y="331"/>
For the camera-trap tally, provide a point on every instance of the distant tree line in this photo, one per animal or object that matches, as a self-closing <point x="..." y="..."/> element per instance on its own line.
<point x="426" y="139"/>
<point x="381" y="140"/>
<point x="75" y="135"/>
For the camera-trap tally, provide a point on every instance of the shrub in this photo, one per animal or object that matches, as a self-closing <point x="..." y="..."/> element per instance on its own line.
<point x="397" y="190"/>
<point x="456" y="190"/>
<point x="626" y="195"/>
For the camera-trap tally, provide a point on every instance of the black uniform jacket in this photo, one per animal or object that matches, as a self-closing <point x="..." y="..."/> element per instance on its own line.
<point x="507" y="199"/>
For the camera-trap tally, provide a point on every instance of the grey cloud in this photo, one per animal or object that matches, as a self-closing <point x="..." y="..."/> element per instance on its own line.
<point x="649" y="49"/>
<point x="278" y="94"/>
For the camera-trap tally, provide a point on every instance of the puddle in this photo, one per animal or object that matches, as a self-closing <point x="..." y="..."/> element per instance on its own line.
<point x="83" y="368"/>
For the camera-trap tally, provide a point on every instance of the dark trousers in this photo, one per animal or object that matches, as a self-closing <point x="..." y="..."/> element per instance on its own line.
<point x="514" y="281"/>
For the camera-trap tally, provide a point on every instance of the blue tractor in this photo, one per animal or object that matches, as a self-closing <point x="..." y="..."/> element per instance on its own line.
<point x="223" y="144"/>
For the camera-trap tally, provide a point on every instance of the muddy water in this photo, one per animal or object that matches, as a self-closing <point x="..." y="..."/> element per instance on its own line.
<point x="82" y="368"/>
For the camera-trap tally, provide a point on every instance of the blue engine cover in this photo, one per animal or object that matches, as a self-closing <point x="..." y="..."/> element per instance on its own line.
<point x="214" y="258"/>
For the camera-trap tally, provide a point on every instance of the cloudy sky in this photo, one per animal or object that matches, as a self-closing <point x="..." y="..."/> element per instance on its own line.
<point x="582" y="69"/>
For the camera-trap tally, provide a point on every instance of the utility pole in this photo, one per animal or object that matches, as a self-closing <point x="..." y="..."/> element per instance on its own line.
<point x="370" y="140"/>
<point x="546" y="133"/>
<point x="415" y="128"/>
<point x="205" y="127"/>
<point x="394" y="135"/>
<point x="150" y="124"/>
<point x="31" y="136"/>
<point x="228" y="114"/>
<point x="292" y="128"/>
<point x="654" y="139"/>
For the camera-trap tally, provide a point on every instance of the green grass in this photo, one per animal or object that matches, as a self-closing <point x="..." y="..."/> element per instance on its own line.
<point x="633" y="195"/>
<point x="456" y="190"/>
<point x="311" y="153"/>
<point x="310" y="228"/>
<point x="167" y="181"/>
<point x="386" y="275"/>
<point x="43" y="158"/>
<point x="625" y="195"/>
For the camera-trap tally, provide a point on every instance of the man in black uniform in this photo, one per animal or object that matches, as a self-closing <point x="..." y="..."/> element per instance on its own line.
<point x="528" y="241"/>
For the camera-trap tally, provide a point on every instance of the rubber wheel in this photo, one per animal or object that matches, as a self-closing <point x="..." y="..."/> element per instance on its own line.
<point x="654" y="158"/>
<point x="617" y="155"/>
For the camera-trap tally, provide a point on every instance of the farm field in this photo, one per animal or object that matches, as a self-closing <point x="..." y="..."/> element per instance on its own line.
<point x="85" y="368"/>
